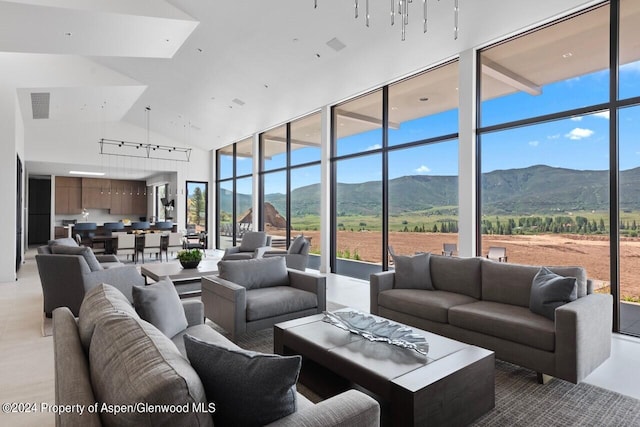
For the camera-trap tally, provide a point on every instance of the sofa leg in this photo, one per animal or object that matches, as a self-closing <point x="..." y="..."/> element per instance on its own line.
<point x="543" y="378"/>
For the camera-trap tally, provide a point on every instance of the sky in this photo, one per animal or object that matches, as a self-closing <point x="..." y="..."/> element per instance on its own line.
<point x="576" y="143"/>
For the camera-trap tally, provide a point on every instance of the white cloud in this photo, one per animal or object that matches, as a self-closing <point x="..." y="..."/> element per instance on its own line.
<point x="576" y="119"/>
<point x="602" y="115"/>
<point x="579" y="133"/>
<point x="534" y="143"/>
<point x="374" y="147"/>
<point x="423" y="169"/>
<point x="556" y="136"/>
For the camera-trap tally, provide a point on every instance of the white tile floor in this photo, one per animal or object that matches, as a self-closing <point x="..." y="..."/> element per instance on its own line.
<point x="26" y="357"/>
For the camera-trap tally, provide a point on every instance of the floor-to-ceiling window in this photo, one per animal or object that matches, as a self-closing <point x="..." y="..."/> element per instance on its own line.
<point x="423" y="161"/>
<point x="544" y="142"/>
<point x="234" y="192"/>
<point x="559" y="152"/>
<point x="395" y="171"/>
<point x="628" y="117"/>
<point x="290" y="182"/>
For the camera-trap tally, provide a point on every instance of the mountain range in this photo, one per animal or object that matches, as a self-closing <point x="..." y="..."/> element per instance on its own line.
<point x="536" y="189"/>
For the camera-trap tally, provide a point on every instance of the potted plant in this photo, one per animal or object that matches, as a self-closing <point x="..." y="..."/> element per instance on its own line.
<point x="189" y="258"/>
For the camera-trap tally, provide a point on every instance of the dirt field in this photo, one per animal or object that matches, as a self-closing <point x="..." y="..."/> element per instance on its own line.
<point x="592" y="252"/>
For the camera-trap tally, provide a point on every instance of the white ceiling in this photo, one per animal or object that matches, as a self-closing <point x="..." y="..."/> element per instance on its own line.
<point x="189" y="59"/>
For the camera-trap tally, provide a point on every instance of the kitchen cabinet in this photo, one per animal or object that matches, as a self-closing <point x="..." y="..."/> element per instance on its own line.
<point x="128" y="198"/>
<point x="95" y="193"/>
<point x="68" y="195"/>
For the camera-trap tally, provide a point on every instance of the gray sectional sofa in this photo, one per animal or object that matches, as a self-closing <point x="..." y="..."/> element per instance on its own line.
<point x="110" y="356"/>
<point x="486" y="303"/>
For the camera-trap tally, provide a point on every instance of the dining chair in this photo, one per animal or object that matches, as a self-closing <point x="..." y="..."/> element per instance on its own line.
<point x="175" y="241"/>
<point x="151" y="244"/>
<point x="126" y="245"/>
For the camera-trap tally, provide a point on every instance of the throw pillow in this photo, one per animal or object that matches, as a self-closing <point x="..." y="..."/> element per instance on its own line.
<point x="86" y="252"/>
<point x="253" y="240"/>
<point x="248" y="388"/>
<point x="255" y="273"/>
<point x="412" y="272"/>
<point x="549" y="291"/>
<point x="100" y="302"/>
<point x="159" y="304"/>
<point x="132" y="362"/>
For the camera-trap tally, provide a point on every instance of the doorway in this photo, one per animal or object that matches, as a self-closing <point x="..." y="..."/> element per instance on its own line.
<point x="39" y="210"/>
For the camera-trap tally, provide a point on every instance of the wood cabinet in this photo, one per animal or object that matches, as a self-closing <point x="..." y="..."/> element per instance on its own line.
<point x="68" y="195"/>
<point x="128" y="198"/>
<point x="121" y="197"/>
<point x="95" y="193"/>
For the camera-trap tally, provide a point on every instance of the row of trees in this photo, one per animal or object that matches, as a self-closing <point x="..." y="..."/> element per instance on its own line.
<point x="526" y="225"/>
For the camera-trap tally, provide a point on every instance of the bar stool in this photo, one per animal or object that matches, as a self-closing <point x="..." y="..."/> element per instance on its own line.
<point x="140" y="225"/>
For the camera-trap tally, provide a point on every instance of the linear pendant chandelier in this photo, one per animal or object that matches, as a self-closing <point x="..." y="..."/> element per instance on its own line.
<point x="117" y="147"/>
<point x="403" y="12"/>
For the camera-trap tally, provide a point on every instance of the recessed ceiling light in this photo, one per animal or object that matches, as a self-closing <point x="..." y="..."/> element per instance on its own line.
<point x="394" y="108"/>
<point x="424" y="99"/>
<point x="86" y="173"/>
<point x="567" y="55"/>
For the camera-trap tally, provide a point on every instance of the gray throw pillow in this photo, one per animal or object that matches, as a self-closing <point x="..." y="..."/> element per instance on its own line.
<point x="255" y="273"/>
<point x="549" y="291"/>
<point x="412" y="272"/>
<point x="86" y="252"/>
<point x="159" y="304"/>
<point x="248" y="388"/>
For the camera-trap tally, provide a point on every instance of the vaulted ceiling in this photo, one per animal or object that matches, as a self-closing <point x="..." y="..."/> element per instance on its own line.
<point x="214" y="72"/>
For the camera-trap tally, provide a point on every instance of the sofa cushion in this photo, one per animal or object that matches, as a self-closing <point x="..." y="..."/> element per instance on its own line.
<point x="269" y="302"/>
<point x="430" y="305"/>
<point x="549" y="291"/>
<point x="509" y="322"/>
<point x="255" y="273"/>
<point x="248" y="388"/>
<point x="86" y="252"/>
<point x="253" y="240"/>
<point x="202" y="332"/>
<point x="101" y="301"/>
<point x="412" y="271"/>
<point x="511" y="283"/>
<point x="133" y="362"/>
<point x="159" y="304"/>
<point x="458" y="275"/>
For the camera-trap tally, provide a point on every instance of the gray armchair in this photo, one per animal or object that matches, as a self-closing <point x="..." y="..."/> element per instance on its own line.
<point x="249" y="295"/>
<point x="254" y="244"/>
<point x="66" y="278"/>
<point x="296" y="256"/>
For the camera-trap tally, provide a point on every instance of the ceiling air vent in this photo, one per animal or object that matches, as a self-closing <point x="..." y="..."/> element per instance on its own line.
<point x="240" y="102"/>
<point x="336" y="44"/>
<point x="40" y="105"/>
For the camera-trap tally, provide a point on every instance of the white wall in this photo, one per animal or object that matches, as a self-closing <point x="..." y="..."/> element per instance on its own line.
<point x="8" y="149"/>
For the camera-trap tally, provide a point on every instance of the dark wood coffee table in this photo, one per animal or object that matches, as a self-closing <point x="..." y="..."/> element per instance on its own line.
<point x="451" y="386"/>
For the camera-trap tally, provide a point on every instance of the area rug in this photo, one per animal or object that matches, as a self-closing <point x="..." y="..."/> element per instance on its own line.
<point x="520" y="400"/>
